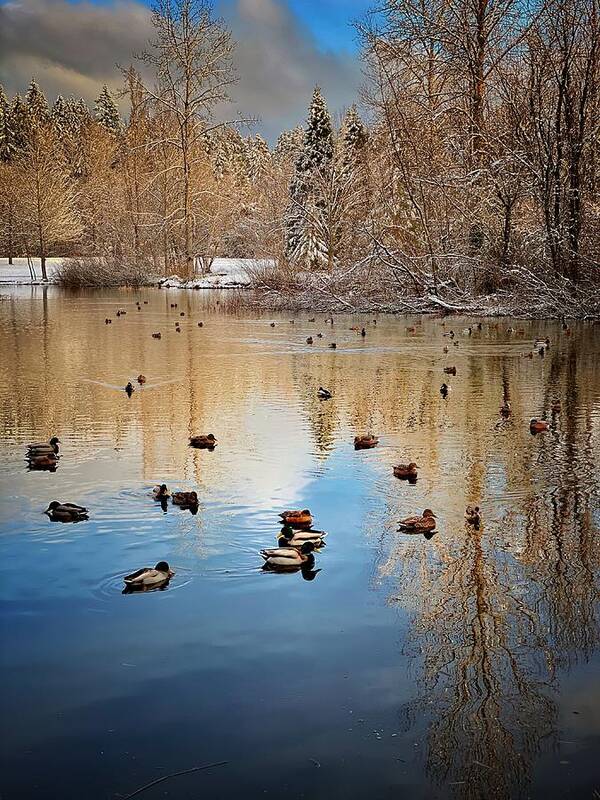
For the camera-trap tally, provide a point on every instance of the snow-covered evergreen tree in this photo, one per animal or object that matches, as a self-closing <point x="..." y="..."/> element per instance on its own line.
<point x="305" y="243"/>
<point x="352" y="140"/>
<point x="20" y="123"/>
<point x="59" y="115"/>
<point x="7" y="142"/>
<point x="37" y="105"/>
<point x="258" y="157"/>
<point x="106" y="111"/>
<point x="288" y="147"/>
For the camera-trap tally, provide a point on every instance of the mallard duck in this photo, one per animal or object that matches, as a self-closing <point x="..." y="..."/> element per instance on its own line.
<point x="146" y="576"/>
<point x="108" y="321"/>
<point x="289" y="557"/>
<point x="41" y="448"/>
<point x="156" y="335"/>
<point x="309" y="340"/>
<point x="200" y="324"/>
<point x="161" y="492"/>
<point x="444" y="389"/>
<point x="208" y="442"/>
<point x="272" y="324"/>
<point x="297" y="519"/>
<point x="538" y="425"/>
<point x="406" y="471"/>
<point x="43" y="461"/>
<point x="182" y="313"/>
<point x="426" y="522"/>
<point x="450" y="370"/>
<point x="472" y="515"/>
<point x="66" y="512"/>
<point x="185" y="499"/>
<point x="365" y="442"/>
<point x="291" y="538"/>
<point x="333" y="346"/>
<point x="363" y="332"/>
<point x="505" y="409"/>
<point x="129" y="389"/>
<point x="542" y="344"/>
<point x="141" y="379"/>
<point x="324" y="394"/>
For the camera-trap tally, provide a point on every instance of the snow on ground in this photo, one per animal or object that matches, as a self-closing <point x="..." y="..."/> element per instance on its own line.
<point x="225" y="273"/>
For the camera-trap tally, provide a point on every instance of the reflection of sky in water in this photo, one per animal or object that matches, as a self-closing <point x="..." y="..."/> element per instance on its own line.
<point x="405" y="665"/>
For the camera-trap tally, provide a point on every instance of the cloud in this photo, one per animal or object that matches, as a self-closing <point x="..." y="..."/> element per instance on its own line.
<point x="73" y="48"/>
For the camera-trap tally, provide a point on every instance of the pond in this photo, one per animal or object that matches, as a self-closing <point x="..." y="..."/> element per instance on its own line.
<point x="464" y="665"/>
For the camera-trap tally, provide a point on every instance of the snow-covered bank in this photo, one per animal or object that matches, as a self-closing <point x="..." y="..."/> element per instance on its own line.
<point x="225" y="273"/>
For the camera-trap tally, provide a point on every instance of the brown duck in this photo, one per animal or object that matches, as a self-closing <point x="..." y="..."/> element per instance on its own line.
<point x="365" y="442"/>
<point x="416" y="524"/>
<point x="406" y="471"/>
<point x="206" y="442"/>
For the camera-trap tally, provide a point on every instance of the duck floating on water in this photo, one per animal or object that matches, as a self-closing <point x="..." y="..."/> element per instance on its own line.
<point x="538" y="425"/>
<point x="161" y="492"/>
<point x="185" y="499"/>
<point x="473" y="515"/>
<point x="323" y="393"/>
<point x="148" y="576"/>
<point x="289" y="557"/>
<point x="207" y="442"/>
<point x="129" y="390"/>
<point x="297" y="519"/>
<point x="291" y="538"/>
<point x="141" y="379"/>
<point x="41" y="448"/>
<point x="66" y="512"/>
<point x="406" y="471"/>
<point x="309" y="340"/>
<point x="444" y="390"/>
<point x="450" y="370"/>
<point x="365" y="442"/>
<point x="419" y="524"/>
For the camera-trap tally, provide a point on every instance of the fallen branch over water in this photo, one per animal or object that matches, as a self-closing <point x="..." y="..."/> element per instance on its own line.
<point x="174" y="775"/>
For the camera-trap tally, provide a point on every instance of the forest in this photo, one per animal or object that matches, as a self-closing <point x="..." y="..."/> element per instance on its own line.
<point x="465" y="178"/>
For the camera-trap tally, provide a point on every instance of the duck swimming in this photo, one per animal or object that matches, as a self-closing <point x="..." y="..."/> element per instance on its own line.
<point x="161" y="492"/>
<point x="450" y="370"/>
<point x="324" y="394"/>
<point x="40" y="448"/>
<point x="291" y="538"/>
<point x="185" y="499"/>
<point x="538" y="425"/>
<point x="66" y="512"/>
<point x="472" y="515"/>
<point x="365" y="442"/>
<point x="406" y="471"/>
<point x="297" y="519"/>
<point x="421" y="524"/>
<point x="148" y="576"/>
<point x="444" y="389"/>
<point x="129" y="389"/>
<point x="141" y="379"/>
<point x="289" y="557"/>
<point x="203" y="442"/>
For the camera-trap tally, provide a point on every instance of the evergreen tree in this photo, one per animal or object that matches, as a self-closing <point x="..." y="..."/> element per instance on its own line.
<point x="59" y="115"/>
<point x="37" y="105"/>
<point x="7" y="143"/>
<point x="305" y="218"/>
<point x="258" y="157"/>
<point x="106" y="112"/>
<point x="352" y="140"/>
<point x="20" y="123"/>
<point x="288" y="146"/>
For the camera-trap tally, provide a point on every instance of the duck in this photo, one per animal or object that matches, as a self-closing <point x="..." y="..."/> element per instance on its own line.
<point x="148" y="576"/>
<point x="108" y="321"/>
<point x="141" y="379"/>
<point x="363" y="332"/>
<point x="200" y="324"/>
<point x="40" y="448"/>
<point x="467" y="331"/>
<point x="272" y="324"/>
<point x="185" y="499"/>
<point x="450" y="333"/>
<point x="542" y="344"/>
<point x="311" y="319"/>
<point x="332" y="346"/>
<point x="450" y="370"/>
<point x="161" y="492"/>
<point x="297" y="519"/>
<point x="43" y="461"/>
<point x="406" y="471"/>
<point x="129" y="389"/>
<point x="365" y="442"/>
<point x="207" y="442"/>
<point x="472" y="515"/>
<point x="444" y="389"/>
<point x="446" y="349"/>
<point x="309" y="340"/>
<point x="319" y="335"/>
<point x="66" y="512"/>
<point x="289" y="557"/>
<point x="505" y="409"/>
<point x="329" y="320"/>
<point x="324" y="394"/>
<point x="411" y="329"/>
<point x="291" y="538"/>
<point x="538" y="425"/>
<point x="426" y="522"/>
<point x="182" y="313"/>
<point x="156" y="335"/>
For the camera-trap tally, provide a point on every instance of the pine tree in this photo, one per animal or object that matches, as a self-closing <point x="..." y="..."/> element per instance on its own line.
<point x="352" y="140"/>
<point x="37" y="105"/>
<point x="7" y="143"/>
<point x="20" y="123"/>
<point x="288" y="147"/>
<point x="258" y="157"/>
<point x="59" y="115"/>
<point x="305" y="219"/>
<point x="106" y="112"/>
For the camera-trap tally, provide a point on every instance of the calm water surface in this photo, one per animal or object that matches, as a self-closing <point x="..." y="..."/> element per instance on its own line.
<point x="464" y="666"/>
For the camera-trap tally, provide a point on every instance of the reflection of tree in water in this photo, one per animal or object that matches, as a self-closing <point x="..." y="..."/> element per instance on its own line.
<point x="499" y="610"/>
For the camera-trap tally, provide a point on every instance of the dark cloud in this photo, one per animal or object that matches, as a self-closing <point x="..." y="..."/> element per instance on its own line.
<point x="73" y="48"/>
